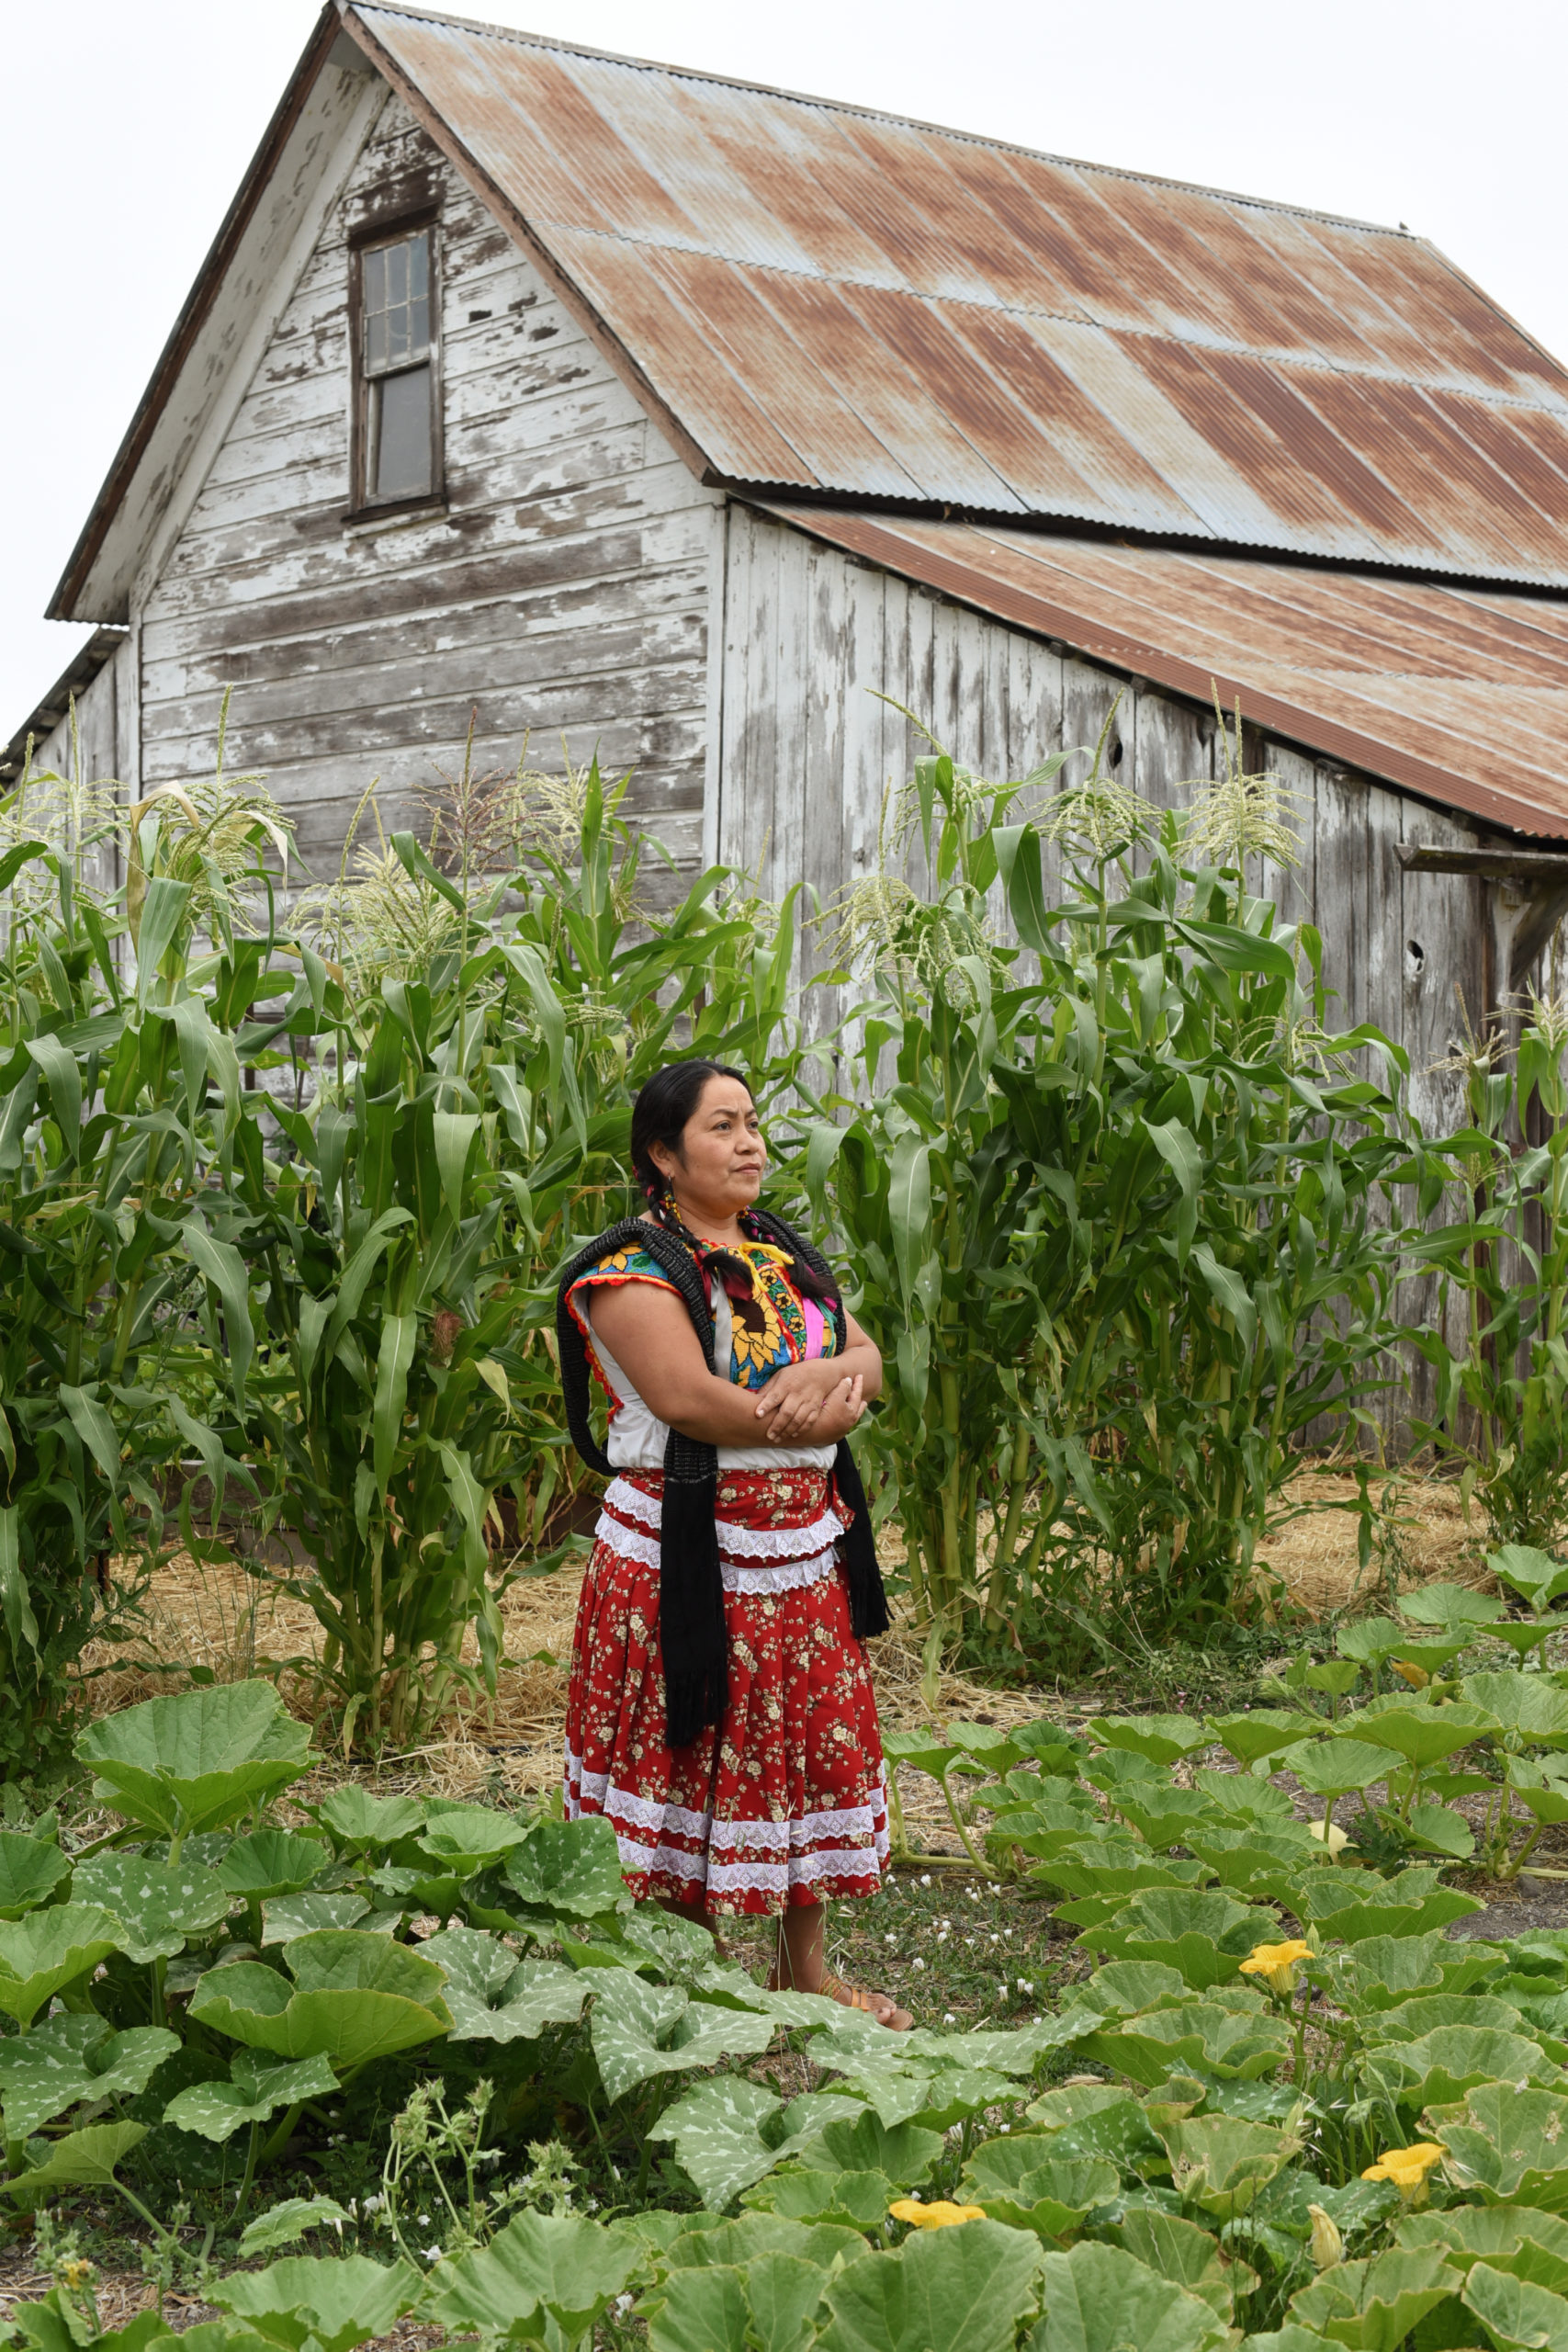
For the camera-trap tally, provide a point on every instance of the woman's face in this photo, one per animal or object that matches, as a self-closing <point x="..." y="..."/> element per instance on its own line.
<point x="722" y="1153"/>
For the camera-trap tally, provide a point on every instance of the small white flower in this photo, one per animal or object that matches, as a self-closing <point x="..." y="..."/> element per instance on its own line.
<point x="948" y="2018"/>
<point x="889" y="1939"/>
<point x="995" y="1940"/>
<point x="926" y="1878"/>
<point x="433" y="2254"/>
<point x="623" y="2305"/>
<point x="423" y="2220"/>
<point x="1024" y="1985"/>
<point x="1004" y="2127"/>
<point x="918" y="1963"/>
<point x="373" y="2204"/>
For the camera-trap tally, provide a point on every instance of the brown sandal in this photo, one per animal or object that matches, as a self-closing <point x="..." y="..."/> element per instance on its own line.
<point x="853" y="1996"/>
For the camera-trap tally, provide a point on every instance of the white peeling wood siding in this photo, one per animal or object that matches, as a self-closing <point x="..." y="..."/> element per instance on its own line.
<point x="104" y="748"/>
<point x="564" y="592"/>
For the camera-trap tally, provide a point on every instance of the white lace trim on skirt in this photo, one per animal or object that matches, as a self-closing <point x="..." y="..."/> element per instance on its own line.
<point x="791" y="1574"/>
<point x="734" y="1542"/>
<point x="808" y="1848"/>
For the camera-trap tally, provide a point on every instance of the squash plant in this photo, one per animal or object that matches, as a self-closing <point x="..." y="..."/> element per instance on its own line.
<point x="1333" y="2127"/>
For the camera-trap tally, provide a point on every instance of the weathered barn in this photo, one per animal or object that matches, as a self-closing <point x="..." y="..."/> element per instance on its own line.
<point x="685" y="419"/>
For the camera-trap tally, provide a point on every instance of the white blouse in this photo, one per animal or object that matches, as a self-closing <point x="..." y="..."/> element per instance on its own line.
<point x="637" y="1436"/>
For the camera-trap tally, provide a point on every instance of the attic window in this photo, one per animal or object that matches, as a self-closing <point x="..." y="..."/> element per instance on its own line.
<point x="397" y="356"/>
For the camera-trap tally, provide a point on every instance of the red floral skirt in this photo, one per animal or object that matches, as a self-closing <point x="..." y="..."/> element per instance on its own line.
<point x="785" y="1801"/>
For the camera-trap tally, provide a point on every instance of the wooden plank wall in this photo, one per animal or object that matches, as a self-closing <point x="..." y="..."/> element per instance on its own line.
<point x="565" y="592"/>
<point x="105" y="746"/>
<point x="811" y="637"/>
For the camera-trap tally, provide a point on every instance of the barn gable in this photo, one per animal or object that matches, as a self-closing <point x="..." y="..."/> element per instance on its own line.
<point x="558" y="587"/>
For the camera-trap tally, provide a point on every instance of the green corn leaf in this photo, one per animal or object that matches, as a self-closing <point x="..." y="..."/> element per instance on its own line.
<point x="400" y="1334"/>
<point x="223" y="1267"/>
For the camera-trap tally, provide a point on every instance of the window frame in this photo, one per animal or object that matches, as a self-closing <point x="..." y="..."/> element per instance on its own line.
<point x="387" y="230"/>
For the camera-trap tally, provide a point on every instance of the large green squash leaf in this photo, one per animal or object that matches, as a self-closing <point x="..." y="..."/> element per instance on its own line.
<point x="1259" y="1732"/>
<point x="180" y="1766"/>
<point x="857" y="2201"/>
<point x="1437" y="2069"/>
<point x="639" y="2030"/>
<point x="1373" y="2304"/>
<point x="338" y="2302"/>
<point x="257" y="2087"/>
<point x="72" y="2060"/>
<point x="1197" y="2037"/>
<point x="45" y="1953"/>
<point x="562" y="2265"/>
<point x="1413" y="1903"/>
<point x="30" y="1873"/>
<point x="1164" y="1739"/>
<point x="1510" y="2147"/>
<point x="1332" y="1767"/>
<point x="865" y="2143"/>
<point x="1424" y="1736"/>
<point x="728" y="2132"/>
<point x="359" y="1823"/>
<point x="461" y="1840"/>
<point x="270" y="1863"/>
<point x="1021" y="2181"/>
<point x="961" y="2290"/>
<point x="1412" y="2019"/>
<point x="1220" y="2162"/>
<point x="1202" y="1936"/>
<point x="768" y="2306"/>
<point x="159" y="1906"/>
<point x="1102" y="2298"/>
<point x="1518" y="2315"/>
<point x="494" y="1996"/>
<point x="355" y="1997"/>
<point x="570" y="1868"/>
<point x="1186" y="2256"/>
<point x="694" y="2241"/>
<point x="83" y="2159"/>
<point x="1534" y="1574"/>
<point x="1525" y="1704"/>
<point x="1518" y="2239"/>
<point x="1381" y="1971"/>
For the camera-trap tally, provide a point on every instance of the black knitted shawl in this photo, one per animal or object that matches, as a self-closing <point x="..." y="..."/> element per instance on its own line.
<point x="691" y="1614"/>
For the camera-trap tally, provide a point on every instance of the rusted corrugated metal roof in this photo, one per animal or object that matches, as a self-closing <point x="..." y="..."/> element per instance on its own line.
<point x="829" y="302"/>
<point x="1456" y="693"/>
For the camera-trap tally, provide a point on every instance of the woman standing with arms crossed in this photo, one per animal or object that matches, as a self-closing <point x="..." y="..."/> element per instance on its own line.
<point x="720" y="1715"/>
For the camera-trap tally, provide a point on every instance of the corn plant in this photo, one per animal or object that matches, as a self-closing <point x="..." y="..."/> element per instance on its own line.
<point x="1501" y="1407"/>
<point x="1115" y="1220"/>
<point x="120" y="1087"/>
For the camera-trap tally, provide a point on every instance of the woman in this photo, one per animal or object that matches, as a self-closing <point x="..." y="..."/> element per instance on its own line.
<point x="720" y="1713"/>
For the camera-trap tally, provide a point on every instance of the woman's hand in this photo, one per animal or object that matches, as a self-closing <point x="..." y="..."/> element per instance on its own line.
<point x="811" y="1404"/>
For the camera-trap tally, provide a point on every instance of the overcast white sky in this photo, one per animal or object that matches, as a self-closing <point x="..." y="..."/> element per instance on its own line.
<point x="130" y="123"/>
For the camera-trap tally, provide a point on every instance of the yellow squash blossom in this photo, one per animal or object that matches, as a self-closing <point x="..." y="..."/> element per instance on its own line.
<point x="1329" y="1834"/>
<point x="1417" y="1675"/>
<point x="1328" y="2244"/>
<point x="1408" y="2168"/>
<point x="937" y="2215"/>
<point x="1276" y="1964"/>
